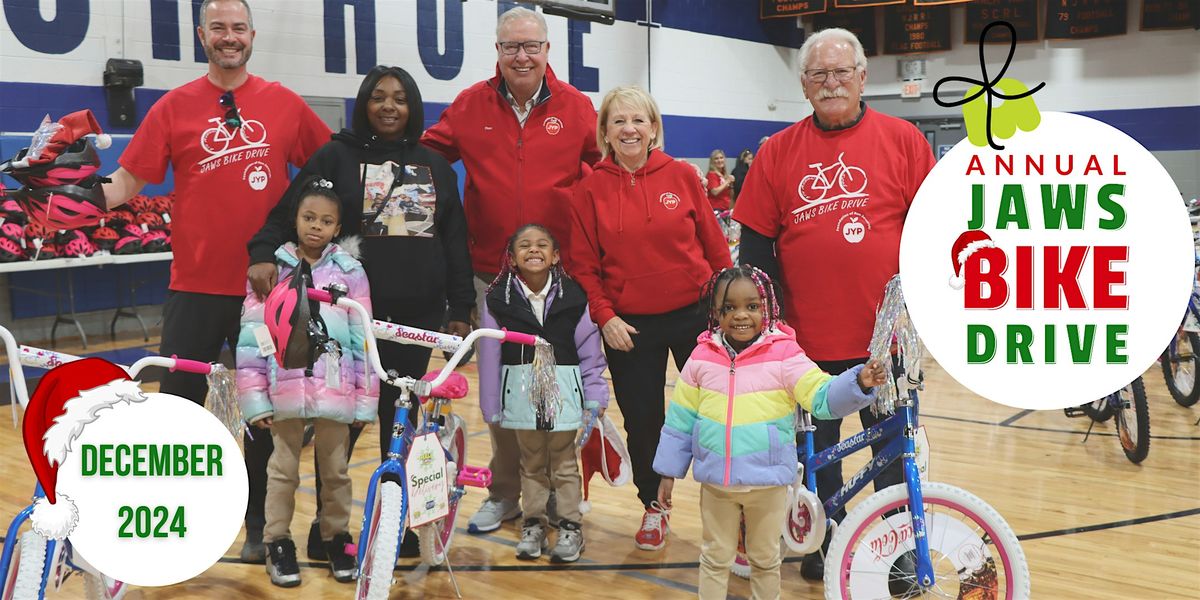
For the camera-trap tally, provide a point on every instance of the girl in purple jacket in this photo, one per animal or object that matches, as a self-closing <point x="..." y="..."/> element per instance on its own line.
<point x="340" y="391"/>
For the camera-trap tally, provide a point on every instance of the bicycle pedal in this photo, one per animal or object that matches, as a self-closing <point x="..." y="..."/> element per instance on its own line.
<point x="351" y="549"/>
<point x="1074" y="411"/>
<point x="480" y="477"/>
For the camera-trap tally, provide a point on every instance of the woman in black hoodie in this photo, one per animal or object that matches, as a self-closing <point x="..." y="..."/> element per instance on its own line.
<point x="403" y="200"/>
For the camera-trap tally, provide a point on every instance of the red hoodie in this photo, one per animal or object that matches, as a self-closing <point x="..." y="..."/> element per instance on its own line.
<point x="644" y="243"/>
<point x="516" y="175"/>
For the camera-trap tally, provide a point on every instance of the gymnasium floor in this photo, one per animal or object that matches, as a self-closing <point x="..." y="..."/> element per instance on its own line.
<point x="1092" y="524"/>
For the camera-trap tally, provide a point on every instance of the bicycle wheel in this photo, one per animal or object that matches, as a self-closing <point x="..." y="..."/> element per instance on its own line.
<point x="1098" y="410"/>
<point x="975" y="553"/>
<point x="1179" y="367"/>
<point x="383" y="541"/>
<point x="99" y="587"/>
<point x="1133" y="421"/>
<point x="27" y="568"/>
<point x="436" y="536"/>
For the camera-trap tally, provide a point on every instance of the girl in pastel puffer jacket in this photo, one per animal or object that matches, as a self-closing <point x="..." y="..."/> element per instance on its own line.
<point x="733" y="414"/>
<point x="338" y="392"/>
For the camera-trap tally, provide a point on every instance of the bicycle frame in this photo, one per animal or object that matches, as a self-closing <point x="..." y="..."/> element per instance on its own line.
<point x="22" y="356"/>
<point x="899" y="431"/>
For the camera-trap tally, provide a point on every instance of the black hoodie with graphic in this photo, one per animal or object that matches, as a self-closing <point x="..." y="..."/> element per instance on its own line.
<point x="403" y="200"/>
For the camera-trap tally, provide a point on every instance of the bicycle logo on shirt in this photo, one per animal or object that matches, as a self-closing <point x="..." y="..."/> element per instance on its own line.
<point x="216" y="140"/>
<point x="850" y="180"/>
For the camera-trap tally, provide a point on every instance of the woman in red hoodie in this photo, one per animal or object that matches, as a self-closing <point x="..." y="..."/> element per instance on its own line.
<point x="644" y="241"/>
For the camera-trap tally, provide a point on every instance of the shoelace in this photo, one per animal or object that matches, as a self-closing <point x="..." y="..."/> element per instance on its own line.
<point x="653" y="520"/>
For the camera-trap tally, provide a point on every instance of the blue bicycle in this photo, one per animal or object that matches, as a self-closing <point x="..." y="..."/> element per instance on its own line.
<point x="413" y="462"/>
<point x="911" y="540"/>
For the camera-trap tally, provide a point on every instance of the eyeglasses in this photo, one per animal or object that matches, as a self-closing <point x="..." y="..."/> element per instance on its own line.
<point x="233" y="118"/>
<point x="511" y="48"/>
<point x="842" y="74"/>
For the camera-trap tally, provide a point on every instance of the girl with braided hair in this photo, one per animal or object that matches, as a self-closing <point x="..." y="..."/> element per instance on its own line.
<point x="532" y="294"/>
<point x="733" y="416"/>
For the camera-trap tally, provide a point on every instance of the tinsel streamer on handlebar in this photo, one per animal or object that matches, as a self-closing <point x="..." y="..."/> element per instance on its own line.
<point x="892" y="325"/>
<point x="222" y="400"/>
<point x="543" y="389"/>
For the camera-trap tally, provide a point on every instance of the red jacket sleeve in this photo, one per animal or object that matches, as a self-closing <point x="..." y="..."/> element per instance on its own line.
<point x="585" y="255"/>
<point x="591" y="152"/>
<point x="440" y="137"/>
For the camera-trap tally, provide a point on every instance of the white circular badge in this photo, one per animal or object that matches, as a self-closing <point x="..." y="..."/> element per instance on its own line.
<point x="1052" y="272"/>
<point x="161" y="490"/>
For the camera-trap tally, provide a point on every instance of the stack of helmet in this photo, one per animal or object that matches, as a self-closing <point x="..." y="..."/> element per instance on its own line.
<point x="152" y="217"/>
<point x="60" y="190"/>
<point x="12" y="229"/>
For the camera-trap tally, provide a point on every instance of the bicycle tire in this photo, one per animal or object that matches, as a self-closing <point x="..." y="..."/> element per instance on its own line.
<point x="27" y="571"/>
<point x="383" y="543"/>
<point x="1136" y="448"/>
<point x="1180" y="368"/>
<point x="952" y="539"/>
<point x="1098" y="410"/>
<point x="441" y="531"/>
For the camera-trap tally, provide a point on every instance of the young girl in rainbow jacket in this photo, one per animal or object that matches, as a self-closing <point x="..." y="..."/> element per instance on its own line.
<point x="733" y="414"/>
<point x="337" y="393"/>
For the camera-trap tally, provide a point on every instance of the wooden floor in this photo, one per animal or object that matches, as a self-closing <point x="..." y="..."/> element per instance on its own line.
<point x="1092" y="524"/>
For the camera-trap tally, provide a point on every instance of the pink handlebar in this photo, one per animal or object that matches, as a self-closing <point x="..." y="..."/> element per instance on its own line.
<point x="190" y="366"/>
<point x="320" y="295"/>
<point x="519" y="338"/>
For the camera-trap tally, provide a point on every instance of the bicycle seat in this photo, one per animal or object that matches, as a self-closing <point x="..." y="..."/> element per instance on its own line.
<point x="453" y="388"/>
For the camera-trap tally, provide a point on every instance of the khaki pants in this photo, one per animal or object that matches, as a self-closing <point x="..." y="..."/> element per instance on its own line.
<point x="720" y="514"/>
<point x="548" y="463"/>
<point x="506" y="456"/>
<point x="283" y="476"/>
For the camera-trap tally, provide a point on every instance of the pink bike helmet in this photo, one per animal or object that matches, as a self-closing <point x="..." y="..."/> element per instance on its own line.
<point x="294" y="321"/>
<point x="76" y="163"/>
<point x="160" y="204"/>
<point x="105" y="238"/>
<point x="63" y="206"/>
<point x="75" y="243"/>
<point x="139" y="203"/>
<point x="10" y="211"/>
<point x="156" y="240"/>
<point x="128" y="243"/>
<point x="10" y="250"/>
<point x="12" y="231"/>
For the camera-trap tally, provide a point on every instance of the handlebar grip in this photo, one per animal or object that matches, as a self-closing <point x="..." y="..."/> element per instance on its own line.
<point x="190" y="366"/>
<point x="519" y="338"/>
<point x="320" y="295"/>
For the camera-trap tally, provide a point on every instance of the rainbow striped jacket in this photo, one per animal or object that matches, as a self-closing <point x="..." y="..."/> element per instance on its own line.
<point x="736" y="419"/>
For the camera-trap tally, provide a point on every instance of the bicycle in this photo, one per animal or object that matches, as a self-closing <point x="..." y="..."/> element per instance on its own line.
<point x="732" y="230"/>
<point x="391" y="485"/>
<point x="852" y="180"/>
<point x="1132" y="411"/>
<point x="912" y="539"/>
<point x="29" y="560"/>
<point x="252" y="133"/>
<point x="1180" y="360"/>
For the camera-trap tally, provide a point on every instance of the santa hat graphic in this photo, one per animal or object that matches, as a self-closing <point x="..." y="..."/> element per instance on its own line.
<point x="966" y="245"/>
<point x="73" y="127"/>
<point x="603" y="452"/>
<point x="67" y="398"/>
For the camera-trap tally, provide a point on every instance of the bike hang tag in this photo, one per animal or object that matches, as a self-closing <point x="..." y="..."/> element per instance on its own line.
<point x="428" y="489"/>
<point x="921" y="442"/>
<point x="262" y="335"/>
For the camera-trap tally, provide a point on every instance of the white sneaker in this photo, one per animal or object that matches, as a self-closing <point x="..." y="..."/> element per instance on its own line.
<point x="492" y="514"/>
<point x="533" y="541"/>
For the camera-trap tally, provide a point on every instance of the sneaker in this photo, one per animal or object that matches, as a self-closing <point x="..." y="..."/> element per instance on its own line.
<point x="343" y="565"/>
<point x="410" y="545"/>
<point x="653" y="533"/>
<point x="812" y="567"/>
<point x="254" y="551"/>
<point x="570" y="543"/>
<point x="492" y="514"/>
<point x="533" y="540"/>
<point x="281" y="563"/>
<point x="316" y="547"/>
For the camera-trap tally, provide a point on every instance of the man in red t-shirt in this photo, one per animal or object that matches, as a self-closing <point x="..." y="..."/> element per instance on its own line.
<point x="525" y="138"/>
<point x="822" y="209"/>
<point x="229" y="137"/>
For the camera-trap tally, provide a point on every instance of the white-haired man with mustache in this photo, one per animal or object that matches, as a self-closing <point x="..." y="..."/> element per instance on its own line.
<point x="822" y="209"/>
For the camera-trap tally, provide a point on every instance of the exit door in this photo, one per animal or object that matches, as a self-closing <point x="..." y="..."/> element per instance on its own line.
<point x="941" y="132"/>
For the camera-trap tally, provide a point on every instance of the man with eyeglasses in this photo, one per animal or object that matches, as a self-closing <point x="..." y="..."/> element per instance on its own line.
<point x="822" y="208"/>
<point x="228" y="137"/>
<point x="524" y="138"/>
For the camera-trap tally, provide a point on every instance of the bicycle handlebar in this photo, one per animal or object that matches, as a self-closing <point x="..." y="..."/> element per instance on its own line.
<point x="190" y="366"/>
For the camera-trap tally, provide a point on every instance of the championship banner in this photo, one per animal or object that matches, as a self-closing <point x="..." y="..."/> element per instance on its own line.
<point x="864" y="3"/>
<point x="1070" y="20"/>
<point x="774" y="9"/>
<point x="914" y="29"/>
<point x="1169" y="14"/>
<point x="939" y="2"/>
<point x="1022" y="14"/>
<point x="859" y="21"/>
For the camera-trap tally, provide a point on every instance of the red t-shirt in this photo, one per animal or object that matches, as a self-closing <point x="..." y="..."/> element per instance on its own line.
<point x="720" y="201"/>
<point x="226" y="181"/>
<point x="835" y="201"/>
